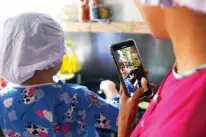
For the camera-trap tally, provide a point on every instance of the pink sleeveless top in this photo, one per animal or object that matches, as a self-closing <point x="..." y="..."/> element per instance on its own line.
<point x="178" y="109"/>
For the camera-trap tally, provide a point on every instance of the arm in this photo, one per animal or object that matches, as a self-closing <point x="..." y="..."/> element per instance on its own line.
<point x="110" y="90"/>
<point x="128" y="110"/>
<point x="127" y="115"/>
<point x="125" y="130"/>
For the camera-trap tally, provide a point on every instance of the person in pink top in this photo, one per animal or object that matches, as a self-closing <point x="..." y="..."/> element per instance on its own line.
<point x="178" y="108"/>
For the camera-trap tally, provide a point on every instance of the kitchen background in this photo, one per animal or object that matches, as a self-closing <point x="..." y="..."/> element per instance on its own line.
<point x="91" y="44"/>
<point x="92" y="48"/>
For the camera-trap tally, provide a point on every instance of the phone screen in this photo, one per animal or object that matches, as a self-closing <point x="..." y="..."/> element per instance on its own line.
<point x="130" y="66"/>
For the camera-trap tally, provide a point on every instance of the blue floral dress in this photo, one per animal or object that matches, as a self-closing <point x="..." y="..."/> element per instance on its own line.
<point x="55" y="110"/>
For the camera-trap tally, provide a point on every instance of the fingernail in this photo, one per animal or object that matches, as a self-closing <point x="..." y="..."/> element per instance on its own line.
<point x="143" y="79"/>
<point x="144" y="84"/>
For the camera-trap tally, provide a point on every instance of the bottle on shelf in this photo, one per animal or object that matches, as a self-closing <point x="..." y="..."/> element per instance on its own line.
<point x="84" y="11"/>
<point x="94" y="10"/>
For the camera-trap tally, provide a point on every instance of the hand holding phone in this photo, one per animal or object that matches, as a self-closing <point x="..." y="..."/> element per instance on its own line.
<point x="130" y="67"/>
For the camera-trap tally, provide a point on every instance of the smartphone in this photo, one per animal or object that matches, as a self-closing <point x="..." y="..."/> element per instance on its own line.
<point x="130" y="67"/>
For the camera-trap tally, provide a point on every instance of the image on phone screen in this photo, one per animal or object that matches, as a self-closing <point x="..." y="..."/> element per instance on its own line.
<point x="131" y="69"/>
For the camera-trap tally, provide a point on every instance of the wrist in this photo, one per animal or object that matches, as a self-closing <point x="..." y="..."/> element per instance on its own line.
<point x="125" y="128"/>
<point x="128" y="118"/>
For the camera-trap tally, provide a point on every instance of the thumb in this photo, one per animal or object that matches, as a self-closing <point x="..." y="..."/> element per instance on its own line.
<point x="139" y="92"/>
<point x="144" y="84"/>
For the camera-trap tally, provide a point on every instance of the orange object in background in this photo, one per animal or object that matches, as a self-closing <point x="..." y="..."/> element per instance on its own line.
<point x="85" y="14"/>
<point x="84" y="11"/>
<point x="2" y="83"/>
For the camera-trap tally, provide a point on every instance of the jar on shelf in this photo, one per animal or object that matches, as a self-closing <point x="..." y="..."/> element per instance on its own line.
<point x="70" y="13"/>
<point x="104" y="12"/>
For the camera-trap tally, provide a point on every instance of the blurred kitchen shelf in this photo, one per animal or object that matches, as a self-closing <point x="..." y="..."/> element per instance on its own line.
<point x="114" y="27"/>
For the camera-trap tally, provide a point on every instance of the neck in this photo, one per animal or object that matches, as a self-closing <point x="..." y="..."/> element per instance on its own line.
<point x="39" y="78"/>
<point x="36" y="82"/>
<point x="188" y="33"/>
<point x="190" y="53"/>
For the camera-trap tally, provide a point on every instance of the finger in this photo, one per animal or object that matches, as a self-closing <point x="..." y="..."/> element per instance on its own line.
<point x="138" y="94"/>
<point x="122" y="92"/>
<point x="153" y="86"/>
<point x="144" y="84"/>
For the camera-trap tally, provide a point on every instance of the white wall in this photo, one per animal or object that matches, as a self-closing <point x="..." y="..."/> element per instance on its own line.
<point x="13" y="7"/>
<point x="123" y="10"/>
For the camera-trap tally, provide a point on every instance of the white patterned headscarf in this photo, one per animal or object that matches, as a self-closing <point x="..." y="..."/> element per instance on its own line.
<point x="197" y="5"/>
<point x="29" y="42"/>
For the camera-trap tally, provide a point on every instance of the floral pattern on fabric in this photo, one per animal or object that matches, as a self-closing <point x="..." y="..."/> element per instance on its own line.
<point x="55" y="110"/>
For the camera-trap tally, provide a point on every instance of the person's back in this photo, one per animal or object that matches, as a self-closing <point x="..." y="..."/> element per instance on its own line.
<point x="32" y="48"/>
<point x="54" y="110"/>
